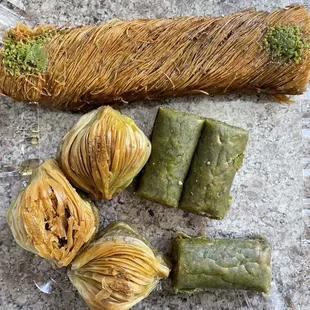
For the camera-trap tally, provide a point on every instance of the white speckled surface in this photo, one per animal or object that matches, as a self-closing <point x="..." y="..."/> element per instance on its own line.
<point x="267" y="193"/>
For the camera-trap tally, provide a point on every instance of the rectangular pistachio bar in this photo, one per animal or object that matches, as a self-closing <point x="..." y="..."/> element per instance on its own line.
<point x="219" y="154"/>
<point x="174" y="139"/>
<point x="221" y="263"/>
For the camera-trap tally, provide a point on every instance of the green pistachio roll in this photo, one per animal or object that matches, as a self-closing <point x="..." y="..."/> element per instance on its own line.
<point x="174" y="139"/>
<point x="219" y="154"/>
<point x="221" y="263"/>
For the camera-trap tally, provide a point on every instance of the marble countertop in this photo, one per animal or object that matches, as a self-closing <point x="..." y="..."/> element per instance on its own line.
<point x="268" y="191"/>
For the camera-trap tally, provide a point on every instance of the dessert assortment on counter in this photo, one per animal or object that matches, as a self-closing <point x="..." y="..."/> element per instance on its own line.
<point x="189" y="164"/>
<point x="117" y="268"/>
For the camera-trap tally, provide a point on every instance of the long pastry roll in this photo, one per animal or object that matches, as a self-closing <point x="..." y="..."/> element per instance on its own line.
<point x="83" y="67"/>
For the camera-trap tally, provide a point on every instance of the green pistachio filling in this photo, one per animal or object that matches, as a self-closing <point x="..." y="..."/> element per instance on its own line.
<point x="286" y="42"/>
<point x="27" y="55"/>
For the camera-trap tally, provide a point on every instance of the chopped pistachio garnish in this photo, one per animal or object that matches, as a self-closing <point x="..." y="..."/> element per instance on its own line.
<point x="26" y="55"/>
<point x="286" y="42"/>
